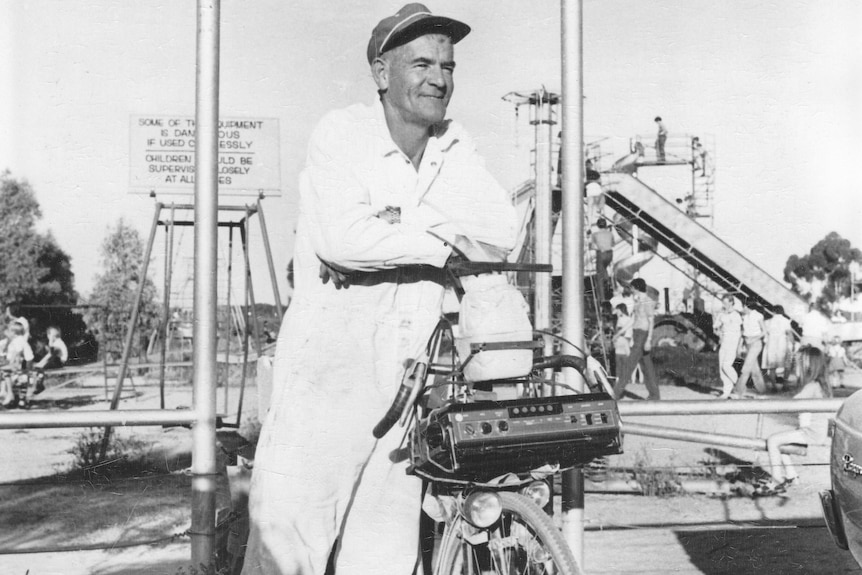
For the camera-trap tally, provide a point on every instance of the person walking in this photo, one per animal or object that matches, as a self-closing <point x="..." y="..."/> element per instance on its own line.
<point x="643" y="323"/>
<point x="728" y="324"/>
<point x="753" y="332"/>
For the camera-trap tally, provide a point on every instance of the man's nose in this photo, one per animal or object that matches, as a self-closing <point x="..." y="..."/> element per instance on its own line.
<point x="437" y="77"/>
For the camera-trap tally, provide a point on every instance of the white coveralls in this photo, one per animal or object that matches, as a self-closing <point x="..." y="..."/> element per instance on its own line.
<point x="319" y="473"/>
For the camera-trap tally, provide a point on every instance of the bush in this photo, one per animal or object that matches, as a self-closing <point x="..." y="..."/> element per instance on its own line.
<point x="123" y="455"/>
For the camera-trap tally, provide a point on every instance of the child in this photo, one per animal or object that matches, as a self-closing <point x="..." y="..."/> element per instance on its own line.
<point x="814" y="385"/>
<point x="19" y="357"/>
<point x="57" y="354"/>
<point x="836" y="362"/>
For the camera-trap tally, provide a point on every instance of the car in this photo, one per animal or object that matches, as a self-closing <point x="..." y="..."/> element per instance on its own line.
<point x="842" y="505"/>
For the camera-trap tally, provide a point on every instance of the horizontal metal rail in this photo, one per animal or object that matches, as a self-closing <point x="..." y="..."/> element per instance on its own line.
<point x="707" y="438"/>
<point x="114" y="418"/>
<point x="741" y="406"/>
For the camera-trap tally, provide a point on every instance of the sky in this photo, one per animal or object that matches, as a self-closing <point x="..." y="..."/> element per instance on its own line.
<point x="775" y="87"/>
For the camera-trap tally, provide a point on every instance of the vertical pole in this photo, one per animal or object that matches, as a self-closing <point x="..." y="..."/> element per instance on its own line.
<point x="205" y="284"/>
<point x="130" y="329"/>
<point x="543" y="299"/>
<point x="166" y="311"/>
<point x="269" y="261"/>
<point x="229" y="322"/>
<point x="573" y="241"/>
<point x="249" y="323"/>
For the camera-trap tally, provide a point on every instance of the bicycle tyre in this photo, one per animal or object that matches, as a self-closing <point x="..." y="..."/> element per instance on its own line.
<point x="530" y="545"/>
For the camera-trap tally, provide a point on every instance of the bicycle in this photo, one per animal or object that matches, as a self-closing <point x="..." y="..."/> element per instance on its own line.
<point x="486" y="462"/>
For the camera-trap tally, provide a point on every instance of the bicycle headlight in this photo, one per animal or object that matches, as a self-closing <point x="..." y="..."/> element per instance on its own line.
<point x="539" y="492"/>
<point x="482" y="508"/>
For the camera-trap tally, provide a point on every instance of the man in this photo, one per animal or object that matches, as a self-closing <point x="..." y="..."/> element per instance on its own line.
<point x="594" y="193"/>
<point x="602" y="239"/>
<point x="642" y="331"/>
<point x="661" y="138"/>
<point x="378" y="179"/>
<point x="753" y="332"/>
<point x="728" y="325"/>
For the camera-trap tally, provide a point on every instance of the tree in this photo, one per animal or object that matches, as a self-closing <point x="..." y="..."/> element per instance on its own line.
<point x="34" y="271"/>
<point x="19" y="242"/>
<point x="116" y="288"/>
<point x="823" y="274"/>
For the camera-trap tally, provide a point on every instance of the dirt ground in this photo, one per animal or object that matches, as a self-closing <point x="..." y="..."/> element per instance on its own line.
<point x="65" y="524"/>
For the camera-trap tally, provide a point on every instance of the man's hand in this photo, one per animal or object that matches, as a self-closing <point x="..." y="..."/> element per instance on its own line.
<point x="340" y="278"/>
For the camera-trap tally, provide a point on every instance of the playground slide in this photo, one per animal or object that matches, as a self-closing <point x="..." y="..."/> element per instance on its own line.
<point x="699" y="247"/>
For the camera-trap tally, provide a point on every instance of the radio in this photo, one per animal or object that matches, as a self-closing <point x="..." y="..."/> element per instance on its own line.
<point x="484" y="439"/>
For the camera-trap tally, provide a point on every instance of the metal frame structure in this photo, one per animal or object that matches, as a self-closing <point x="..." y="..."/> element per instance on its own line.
<point x="202" y="417"/>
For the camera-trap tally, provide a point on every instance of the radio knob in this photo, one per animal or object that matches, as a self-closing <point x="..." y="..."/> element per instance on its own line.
<point x="469" y="429"/>
<point x="486" y="428"/>
<point x="503" y="426"/>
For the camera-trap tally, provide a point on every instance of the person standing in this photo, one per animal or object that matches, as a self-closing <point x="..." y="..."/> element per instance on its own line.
<point x="623" y="336"/>
<point x="602" y="240"/>
<point x="369" y="291"/>
<point x="660" y="139"/>
<point x="643" y="320"/>
<point x="753" y="332"/>
<point x="728" y="324"/>
<point x="777" y="345"/>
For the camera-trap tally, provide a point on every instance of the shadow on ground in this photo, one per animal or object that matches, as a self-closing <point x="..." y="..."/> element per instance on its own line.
<point x="766" y="550"/>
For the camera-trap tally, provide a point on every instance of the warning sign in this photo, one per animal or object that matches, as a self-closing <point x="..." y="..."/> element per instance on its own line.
<point x="162" y="155"/>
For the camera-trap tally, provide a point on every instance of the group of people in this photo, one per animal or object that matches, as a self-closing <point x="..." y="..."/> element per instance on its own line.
<point x="23" y="370"/>
<point x="769" y="347"/>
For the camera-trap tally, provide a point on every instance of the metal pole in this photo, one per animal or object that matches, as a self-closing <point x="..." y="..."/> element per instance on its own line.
<point x="120" y="417"/>
<point x="249" y="304"/>
<point x="744" y="406"/>
<point x="229" y="320"/>
<point x="542" y="298"/>
<point x="269" y="261"/>
<point x="573" y="242"/>
<point x="205" y="286"/>
<point x="130" y="331"/>
<point x="708" y="438"/>
<point x="166" y="312"/>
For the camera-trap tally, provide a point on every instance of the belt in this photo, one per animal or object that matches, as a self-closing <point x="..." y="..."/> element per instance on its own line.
<point x="401" y="275"/>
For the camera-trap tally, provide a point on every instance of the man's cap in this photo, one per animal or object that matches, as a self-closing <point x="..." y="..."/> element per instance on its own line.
<point x="412" y="21"/>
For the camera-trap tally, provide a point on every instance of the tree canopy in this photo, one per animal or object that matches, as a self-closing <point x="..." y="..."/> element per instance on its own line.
<point x="117" y="286"/>
<point x="823" y="274"/>
<point x="35" y="272"/>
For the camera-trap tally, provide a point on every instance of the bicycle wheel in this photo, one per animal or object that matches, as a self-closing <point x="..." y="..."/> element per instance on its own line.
<point x="524" y="542"/>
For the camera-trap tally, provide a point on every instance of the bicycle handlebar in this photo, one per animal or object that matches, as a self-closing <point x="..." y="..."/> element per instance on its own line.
<point x="409" y="388"/>
<point x="561" y="361"/>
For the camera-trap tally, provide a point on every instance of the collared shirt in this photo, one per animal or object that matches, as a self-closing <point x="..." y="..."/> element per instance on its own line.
<point x="644" y="310"/>
<point x="603" y="239"/>
<point x="752" y="322"/>
<point x="729" y="325"/>
<point x="354" y="170"/>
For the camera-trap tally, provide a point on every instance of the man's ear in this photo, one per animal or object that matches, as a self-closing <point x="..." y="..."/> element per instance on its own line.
<point x="380" y="73"/>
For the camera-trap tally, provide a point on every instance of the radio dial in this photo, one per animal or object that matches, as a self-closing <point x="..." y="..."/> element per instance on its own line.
<point x="486" y="428"/>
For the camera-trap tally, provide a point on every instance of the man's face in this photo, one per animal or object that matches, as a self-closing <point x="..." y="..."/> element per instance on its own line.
<point x="419" y="79"/>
